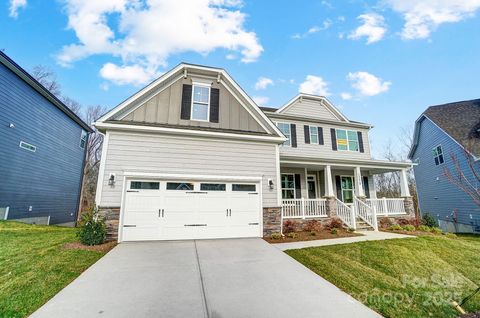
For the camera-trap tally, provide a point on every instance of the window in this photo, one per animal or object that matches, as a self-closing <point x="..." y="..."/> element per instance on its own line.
<point x="347" y="140"/>
<point x="243" y="187"/>
<point x="288" y="186"/>
<point x="347" y="189"/>
<point x="27" y="146"/>
<point x="179" y="186"/>
<point x="285" y="129"/>
<point x="83" y="139"/>
<point x="438" y="155"/>
<point x="213" y="187"/>
<point x="141" y="185"/>
<point x="200" y="103"/>
<point x="313" y="135"/>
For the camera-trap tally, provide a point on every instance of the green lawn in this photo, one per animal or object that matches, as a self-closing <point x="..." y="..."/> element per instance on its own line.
<point x="34" y="266"/>
<point x="415" y="277"/>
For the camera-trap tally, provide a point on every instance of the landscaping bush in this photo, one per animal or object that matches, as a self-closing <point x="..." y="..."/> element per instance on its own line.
<point x="404" y="222"/>
<point x="312" y="233"/>
<point x="385" y="223"/>
<point x="429" y="220"/>
<point x="312" y="226"/>
<point x="409" y="228"/>
<point x="350" y="230"/>
<point x="335" y="223"/>
<point x="276" y="236"/>
<point x="334" y="231"/>
<point x="451" y="235"/>
<point x="290" y="226"/>
<point x="292" y="235"/>
<point x="424" y="228"/>
<point x="396" y="227"/>
<point x="92" y="229"/>
<point x="436" y="230"/>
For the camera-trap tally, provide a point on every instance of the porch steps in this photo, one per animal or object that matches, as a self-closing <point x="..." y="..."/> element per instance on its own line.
<point x="363" y="226"/>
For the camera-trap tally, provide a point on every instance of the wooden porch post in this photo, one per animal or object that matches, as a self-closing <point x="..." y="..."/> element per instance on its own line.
<point x="405" y="191"/>
<point x="328" y="182"/>
<point x="360" y="192"/>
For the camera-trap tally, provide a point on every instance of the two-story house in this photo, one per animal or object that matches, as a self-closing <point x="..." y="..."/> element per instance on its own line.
<point x="192" y="156"/>
<point x="447" y="142"/>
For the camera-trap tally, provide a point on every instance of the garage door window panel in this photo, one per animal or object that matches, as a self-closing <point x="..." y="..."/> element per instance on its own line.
<point x="213" y="187"/>
<point x="143" y="185"/>
<point x="182" y="186"/>
<point x="244" y="187"/>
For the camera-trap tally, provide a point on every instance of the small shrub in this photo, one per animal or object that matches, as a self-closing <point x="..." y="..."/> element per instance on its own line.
<point x="292" y="235"/>
<point x="429" y="220"/>
<point x="451" y="235"/>
<point x="436" y="230"/>
<point x="409" y="228"/>
<point x="312" y="233"/>
<point x="335" y="223"/>
<point x="424" y="228"/>
<point x="404" y="222"/>
<point x="290" y="226"/>
<point x="396" y="227"/>
<point x="276" y="236"/>
<point x="334" y="231"/>
<point x="385" y="223"/>
<point x="92" y="229"/>
<point x="313" y="225"/>
<point x="350" y="230"/>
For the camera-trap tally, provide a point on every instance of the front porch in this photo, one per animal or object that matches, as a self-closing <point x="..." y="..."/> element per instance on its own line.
<point x="322" y="190"/>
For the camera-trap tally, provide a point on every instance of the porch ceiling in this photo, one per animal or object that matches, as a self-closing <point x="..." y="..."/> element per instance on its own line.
<point x="373" y="166"/>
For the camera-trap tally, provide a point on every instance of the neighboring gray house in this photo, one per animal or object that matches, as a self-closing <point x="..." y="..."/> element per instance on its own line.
<point x="43" y="147"/>
<point x="192" y="156"/>
<point x="441" y="132"/>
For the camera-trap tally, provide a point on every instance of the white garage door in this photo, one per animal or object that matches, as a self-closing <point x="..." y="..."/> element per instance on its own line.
<point x="177" y="210"/>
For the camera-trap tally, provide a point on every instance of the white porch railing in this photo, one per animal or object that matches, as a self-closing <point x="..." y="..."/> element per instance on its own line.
<point x="387" y="206"/>
<point x="346" y="214"/>
<point x="365" y="212"/>
<point x="304" y="208"/>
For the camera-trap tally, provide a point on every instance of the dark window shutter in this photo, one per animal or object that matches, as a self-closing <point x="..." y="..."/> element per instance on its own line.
<point x="338" y="185"/>
<point x="320" y="136"/>
<point x="293" y="133"/>
<point x="333" y="134"/>
<point x="214" y="104"/>
<point x="186" y="102"/>
<point x="306" y="130"/>
<point x="360" y="141"/>
<point x="298" y="187"/>
<point x="366" y="187"/>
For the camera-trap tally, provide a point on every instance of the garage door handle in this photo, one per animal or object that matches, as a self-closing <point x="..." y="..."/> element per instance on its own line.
<point x="253" y="193"/>
<point x="129" y="225"/>
<point x="252" y="223"/>
<point x="195" y="225"/>
<point x="161" y="213"/>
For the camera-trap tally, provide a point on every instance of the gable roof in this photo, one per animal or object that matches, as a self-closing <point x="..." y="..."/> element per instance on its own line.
<point x="322" y="99"/>
<point x="182" y="70"/>
<point x="459" y="120"/>
<point x="30" y="80"/>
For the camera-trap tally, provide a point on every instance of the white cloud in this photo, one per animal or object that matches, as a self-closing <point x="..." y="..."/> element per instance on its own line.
<point x="373" y="28"/>
<point x="423" y="17"/>
<point x="263" y="83"/>
<point x="122" y="75"/>
<point x="346" y="96"/>
<point x="144" y="34"/>
<point x="368" y="84"/>
<point x="314" y="85"/>
<point x="314" y="29"/>
<point x="14" y="6"/>
<point x="261" y="100"/>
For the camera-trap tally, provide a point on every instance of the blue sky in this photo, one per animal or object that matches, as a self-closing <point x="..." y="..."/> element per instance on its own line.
<point x="381" y="62"/>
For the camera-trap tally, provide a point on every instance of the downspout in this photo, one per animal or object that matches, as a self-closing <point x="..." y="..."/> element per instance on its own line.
<point x="80" y="197"/>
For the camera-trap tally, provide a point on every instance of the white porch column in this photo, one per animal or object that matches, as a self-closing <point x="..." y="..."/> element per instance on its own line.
<point x="328" y="182"/>
<point x="404" y="190"/>
<point x="359" y="191"/>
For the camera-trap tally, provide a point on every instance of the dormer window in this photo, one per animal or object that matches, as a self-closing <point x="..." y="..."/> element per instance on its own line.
<point x="200" y="102"/>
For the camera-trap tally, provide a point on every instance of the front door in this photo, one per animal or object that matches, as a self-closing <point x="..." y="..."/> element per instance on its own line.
<point x="312" y="186"/>
<point x="347" y="189"/>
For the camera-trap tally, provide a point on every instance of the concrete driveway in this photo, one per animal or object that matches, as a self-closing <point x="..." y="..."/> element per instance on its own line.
<point x="208" y="278"/>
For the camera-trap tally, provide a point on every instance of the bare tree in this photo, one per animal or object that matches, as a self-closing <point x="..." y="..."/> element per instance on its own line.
<point x="47" y="78"/>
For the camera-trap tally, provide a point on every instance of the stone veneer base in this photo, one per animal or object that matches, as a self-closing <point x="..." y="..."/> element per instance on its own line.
<point x="111" y="216"/>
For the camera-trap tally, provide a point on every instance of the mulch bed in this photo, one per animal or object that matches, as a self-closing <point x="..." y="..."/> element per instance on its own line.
<point x="472" y="315"/>
<point x="104" y="248"/>
<point x="307" y="236"/>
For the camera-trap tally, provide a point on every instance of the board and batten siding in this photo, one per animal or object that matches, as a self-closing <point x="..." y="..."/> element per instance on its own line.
<point x="165" y="107"/>
<point x="138" y="152"/>
<point x="310" y="109"/>
<point x="48" y="179"/>
<point x="324" y="151"/>
<point x="436" y="194"/>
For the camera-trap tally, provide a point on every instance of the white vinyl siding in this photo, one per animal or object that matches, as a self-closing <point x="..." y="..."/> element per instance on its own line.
<point x="136" y="152"/>
<point x="310" y="109"/>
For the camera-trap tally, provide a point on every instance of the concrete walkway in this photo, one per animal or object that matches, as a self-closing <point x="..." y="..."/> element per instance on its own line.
<point x="367" y="236"/>
<point x="208" y="278"/>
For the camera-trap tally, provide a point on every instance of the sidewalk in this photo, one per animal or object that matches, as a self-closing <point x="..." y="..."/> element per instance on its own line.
<point x="367" y="236"/>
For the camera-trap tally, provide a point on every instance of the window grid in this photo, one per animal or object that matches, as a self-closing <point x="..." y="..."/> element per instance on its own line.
<point x="313" y="135"/>
<point x="200" y="103"/>
<point x="347" y="140"/>
<point x="438" y="155"/>
<point x="285" y="129"/>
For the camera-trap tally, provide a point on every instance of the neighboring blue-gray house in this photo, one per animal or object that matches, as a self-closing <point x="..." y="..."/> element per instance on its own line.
<point x="43" y="147"/>
<point x="441" y="132"/>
